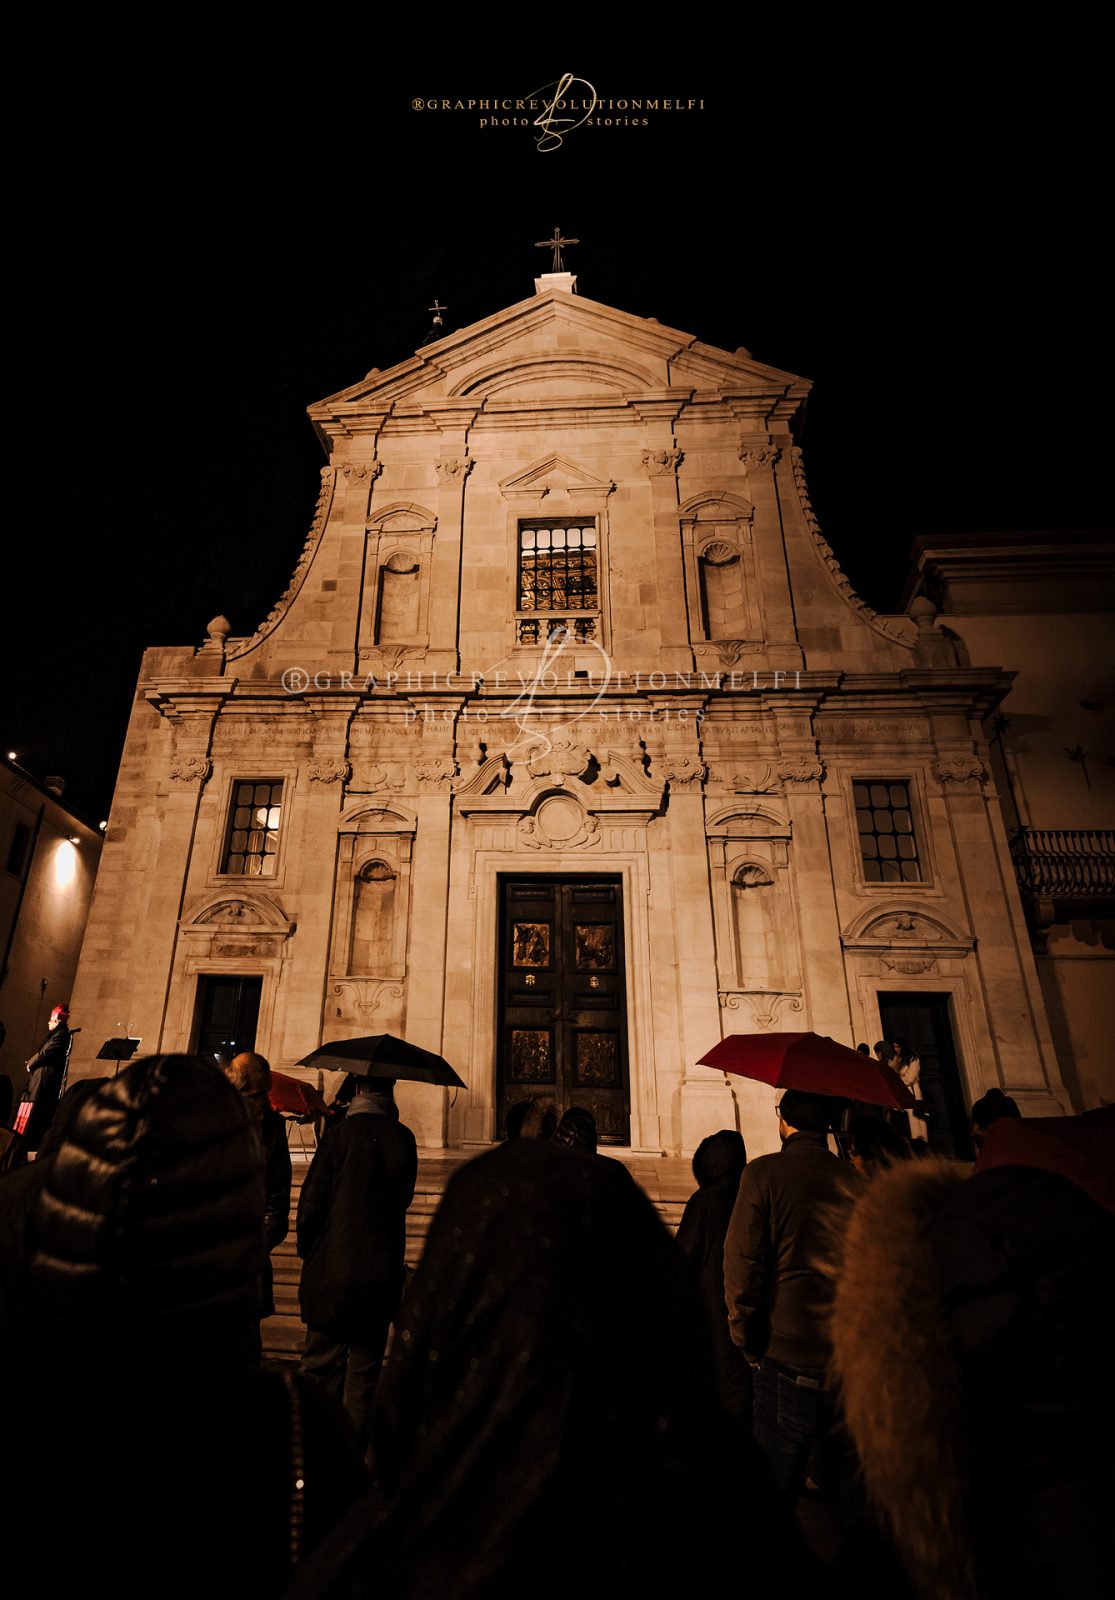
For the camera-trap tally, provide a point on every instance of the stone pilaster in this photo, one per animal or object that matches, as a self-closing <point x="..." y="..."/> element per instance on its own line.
<point x="429" y="916"/>
<point x="802" y="772"/>
<point x="1024" y="1061"/>
<point x="661" y="460"/>
<point x="706" y="1101"/>
<point x="761" y="456"/>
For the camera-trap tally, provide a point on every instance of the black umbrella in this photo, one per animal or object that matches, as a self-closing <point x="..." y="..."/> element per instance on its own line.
<point x="382" y="1055"/>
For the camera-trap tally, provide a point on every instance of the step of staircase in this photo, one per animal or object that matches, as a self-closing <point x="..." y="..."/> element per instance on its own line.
<point x="668" y="1181"/>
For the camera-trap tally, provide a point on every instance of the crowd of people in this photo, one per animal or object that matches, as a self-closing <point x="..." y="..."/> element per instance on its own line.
<point x="571" y="1396"/>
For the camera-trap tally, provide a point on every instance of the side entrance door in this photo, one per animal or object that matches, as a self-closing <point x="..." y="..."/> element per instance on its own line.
<point x="922" y="1020"/>
<point x="227" y="1014"/>
<point x="562" y="1014"/>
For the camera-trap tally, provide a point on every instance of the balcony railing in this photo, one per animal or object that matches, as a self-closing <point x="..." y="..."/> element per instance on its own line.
<point x="1065" y="863"/>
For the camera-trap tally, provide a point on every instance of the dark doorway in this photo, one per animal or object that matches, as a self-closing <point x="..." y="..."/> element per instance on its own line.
<point x="227" y="1013"/>
<point x="922" y="1020"/>
<point x="562" y="1022"/>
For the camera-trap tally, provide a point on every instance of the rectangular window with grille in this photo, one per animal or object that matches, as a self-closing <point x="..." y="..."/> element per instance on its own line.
<point x="558" y="575"/>
<point x="887" y="839"/>
<point x="252" y="841"/>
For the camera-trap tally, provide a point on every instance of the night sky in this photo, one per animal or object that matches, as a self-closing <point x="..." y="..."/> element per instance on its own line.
<point x="198" y="266"/>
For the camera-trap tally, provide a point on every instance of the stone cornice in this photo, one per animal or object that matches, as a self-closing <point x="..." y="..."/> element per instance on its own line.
<point x="178" y="697"/>
<point x="426" y="383"/>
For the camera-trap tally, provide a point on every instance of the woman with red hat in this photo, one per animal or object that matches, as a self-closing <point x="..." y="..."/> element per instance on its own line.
<point x="46" y="1069"/>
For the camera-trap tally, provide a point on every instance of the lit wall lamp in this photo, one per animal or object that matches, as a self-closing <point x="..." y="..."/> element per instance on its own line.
<point x="65" y="864"/>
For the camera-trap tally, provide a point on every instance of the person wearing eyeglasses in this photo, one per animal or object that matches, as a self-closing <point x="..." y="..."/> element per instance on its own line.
<point x="777" y="1296"/>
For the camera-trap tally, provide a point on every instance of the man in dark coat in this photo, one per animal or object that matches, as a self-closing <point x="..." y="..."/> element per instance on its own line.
<point x="251" y="1073"/>
<point x="352" y="1240"/>
<point x="776" y="1292"/>
<point x="47" y="1069"/>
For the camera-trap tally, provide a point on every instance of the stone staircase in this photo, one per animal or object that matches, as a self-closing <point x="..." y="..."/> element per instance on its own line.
<point x="668" y="1181"/>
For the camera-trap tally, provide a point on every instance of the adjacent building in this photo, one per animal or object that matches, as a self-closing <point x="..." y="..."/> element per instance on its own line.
<point x="49" y="857"/>
<point x="568" y="750"/>
<point x="1044" y="602"/>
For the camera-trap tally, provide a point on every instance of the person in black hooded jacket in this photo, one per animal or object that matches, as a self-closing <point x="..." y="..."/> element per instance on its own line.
<point x="155" y="1456"/>
<point x="718" y="1167"/>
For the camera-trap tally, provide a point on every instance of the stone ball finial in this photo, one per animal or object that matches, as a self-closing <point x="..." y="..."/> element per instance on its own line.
<point x="922" y="610"/>
<point x="218" y="630"/>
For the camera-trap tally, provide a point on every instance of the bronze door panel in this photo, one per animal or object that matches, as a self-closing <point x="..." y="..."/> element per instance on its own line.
<point x="562" y="1000"/>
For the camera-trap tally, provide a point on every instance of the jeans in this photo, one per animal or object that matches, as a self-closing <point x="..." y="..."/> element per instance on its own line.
<point x="790" y="1414"/>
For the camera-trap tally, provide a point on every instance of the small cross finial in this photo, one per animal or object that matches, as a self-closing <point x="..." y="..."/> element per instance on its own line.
<point x="435" y="328"/>
<point x="555" y="245"/>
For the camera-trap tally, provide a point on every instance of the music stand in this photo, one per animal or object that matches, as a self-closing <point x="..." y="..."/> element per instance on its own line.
<point x="118" y="1050"/>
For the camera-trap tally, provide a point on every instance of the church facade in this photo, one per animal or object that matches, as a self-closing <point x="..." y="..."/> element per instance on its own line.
<point x="568" y="751"/>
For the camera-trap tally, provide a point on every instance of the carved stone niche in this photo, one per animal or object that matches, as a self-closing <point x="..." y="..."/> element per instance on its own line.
<point x="395" y="609"/>
<point x="905" y="939"/>
<point x="233" y="924"/>
<point x="721" y="580"/>
<point x="372" y="890"/>
<point x="753" y="899"/>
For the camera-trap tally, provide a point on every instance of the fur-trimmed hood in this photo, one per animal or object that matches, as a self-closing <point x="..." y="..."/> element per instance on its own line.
<point x="897" y="1374"/>
<point x="972" y="1323"/>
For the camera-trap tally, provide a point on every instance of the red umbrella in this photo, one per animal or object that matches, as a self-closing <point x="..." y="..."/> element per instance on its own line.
<point x="812" y="1062"/>
<point x="1081" y="1149"/>
<point x="295" y="1097"/>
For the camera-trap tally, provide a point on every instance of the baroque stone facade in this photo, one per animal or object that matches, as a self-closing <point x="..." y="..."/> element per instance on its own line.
<point x="568" y="750"/>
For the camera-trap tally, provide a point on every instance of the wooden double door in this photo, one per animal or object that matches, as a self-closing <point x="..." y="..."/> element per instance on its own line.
<point x="562" y="1000"/>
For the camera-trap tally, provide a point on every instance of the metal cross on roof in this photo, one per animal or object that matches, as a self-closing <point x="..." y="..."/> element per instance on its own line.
<point x="555" y="245"/>
<point x="437" y="308"/>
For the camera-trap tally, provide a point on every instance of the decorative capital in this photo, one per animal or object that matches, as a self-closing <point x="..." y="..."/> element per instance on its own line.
<point x="359" y="470"/>
<point x="437" y="773"/>
<point x="801" y="770"/>
<point x="684" y="770"/>
<point x="190" y="769"/>
<point x="959" y="769"/>
<point x="455" y="469"/>
<point x="329" y="769"/>
<point x="662" y="463"/>
<point x="759" y="455"/>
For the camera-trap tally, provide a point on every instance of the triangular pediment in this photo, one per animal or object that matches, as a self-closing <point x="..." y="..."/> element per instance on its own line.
<point x="555" y="348"/>
<point x="553" y="475"/>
